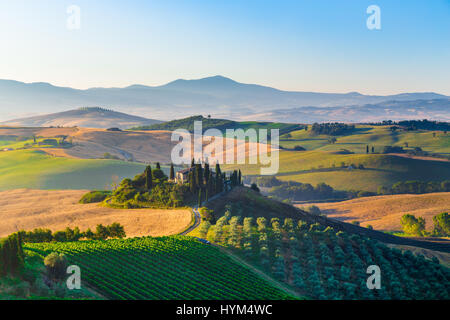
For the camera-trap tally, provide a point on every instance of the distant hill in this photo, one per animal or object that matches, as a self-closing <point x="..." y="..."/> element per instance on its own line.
<point x="220" y="124"/>
<point x="219" y="96"/>
<point x="436" y="109"/>
<point x="93" y="117"/>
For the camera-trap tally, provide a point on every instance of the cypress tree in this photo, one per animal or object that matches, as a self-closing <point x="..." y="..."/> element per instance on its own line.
<point x="199" y="175"/>
<point x="200" y="197"/>
<point x="193" y="163"/>
<point x="367" y="149"/>
<point x="206" y="174"/>
<point x="158" y="166"/>
<point x="148" y="178"/>
<point x="192" y="185"/>
<point x="218" y="172"/>
<point x="172" y="172"/>
<point x="240" y="177"/>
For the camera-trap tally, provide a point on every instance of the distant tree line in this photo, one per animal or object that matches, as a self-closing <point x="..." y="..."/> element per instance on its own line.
<point x="416" y="187"/>
<point x="332" y="129"/>
<point x="412" y="125"/>
<point x="102" y="232"/>
<point x="11" y="255"/>
<point x="297" y="191"/>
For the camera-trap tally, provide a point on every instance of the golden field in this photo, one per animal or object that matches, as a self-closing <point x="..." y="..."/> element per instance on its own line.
<point x="26" y="209"/>
<point x="384" y="212"/>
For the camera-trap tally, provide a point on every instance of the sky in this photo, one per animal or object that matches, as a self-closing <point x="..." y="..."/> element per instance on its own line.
<point x="321" y="46"/>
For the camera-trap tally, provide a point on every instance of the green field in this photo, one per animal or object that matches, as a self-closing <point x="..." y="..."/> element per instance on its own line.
<point x="379" y="169"/>
<point x="163" y="268"/>
<point x="36" y="169"/>
<point x="377" y="136"/>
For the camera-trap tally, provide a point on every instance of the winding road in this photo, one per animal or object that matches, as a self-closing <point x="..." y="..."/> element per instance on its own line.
<point x="197" y="220"/>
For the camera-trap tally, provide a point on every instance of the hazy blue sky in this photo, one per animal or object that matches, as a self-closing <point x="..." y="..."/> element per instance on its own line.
<point x="292" y="45"/>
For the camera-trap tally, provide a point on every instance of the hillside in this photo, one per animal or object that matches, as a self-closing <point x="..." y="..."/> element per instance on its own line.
<point x="26" y="209"/>
<point x="384" y="212"/>
<point x="318" y="257"/>
<point x="38" y="170"/>
<point x="228" y="98"/>
<point x="220" y="124"/>
<point x="166" y="268"/>
<point x="374" y="136"/>
<point x="84" y="117"/>
<point x="245" y="202"/>
<point x="379" y="169"/>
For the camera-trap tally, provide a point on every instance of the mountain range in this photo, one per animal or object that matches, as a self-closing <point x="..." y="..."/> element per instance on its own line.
<point x="218" y="96"/>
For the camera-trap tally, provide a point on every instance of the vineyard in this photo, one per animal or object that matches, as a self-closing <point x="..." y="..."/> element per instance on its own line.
<point x="172" y="268"/>
<point x="322" y="264"/>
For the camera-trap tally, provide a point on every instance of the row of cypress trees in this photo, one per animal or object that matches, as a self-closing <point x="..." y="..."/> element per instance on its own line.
<point x="11" y="255"/>
<point x="205" y="184"/>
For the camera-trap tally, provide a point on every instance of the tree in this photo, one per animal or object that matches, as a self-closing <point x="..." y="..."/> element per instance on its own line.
<point x="332" y="140"/>
<point x="240" y="177"/>
<point x="373" y="149"/>
<point x="56" y="265"/>
<point x="367" y="149"/>
<point x="206" y="173"/>
<point x="148" y="178"/>
<point x="442" y="224"/>
<point x="193" y="163"/>
<point x="116" y="230"/>
<point x="101" y="232"/>
<point x="192" y="184"/>
<point x="412" y="225"/>
<point x="172" y="172"/>
<point x="199" y="197"/>
<point x="254" y="187"/>
<point x="199" y="175"/>
<point x="158" y="166"/>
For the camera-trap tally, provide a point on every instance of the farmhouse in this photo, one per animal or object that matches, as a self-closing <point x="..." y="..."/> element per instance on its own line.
<point x="182" y="176"/>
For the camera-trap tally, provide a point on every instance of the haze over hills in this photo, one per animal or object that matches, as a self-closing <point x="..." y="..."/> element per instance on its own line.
<point x="84" y="117"/>
<point x="218" y="96"/>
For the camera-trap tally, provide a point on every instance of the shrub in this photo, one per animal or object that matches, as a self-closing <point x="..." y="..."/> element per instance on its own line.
<point x="412" y="225"/>
<point x="442" y="224"/>
<point x="56" y="265"/>
<point x="94" y="196"/>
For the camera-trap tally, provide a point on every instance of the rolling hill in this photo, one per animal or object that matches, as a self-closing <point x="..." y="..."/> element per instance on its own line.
<point x="374" y="136"/>
<point x="384" y="212"/>
<point x="94" y="117"/>
<point x="36" y="169"/>
<point x="220" y="124"/>
<point x="341" y="170"/>
<point x="179" y="98"/>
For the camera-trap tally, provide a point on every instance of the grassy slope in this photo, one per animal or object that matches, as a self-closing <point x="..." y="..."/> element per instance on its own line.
<point x="36" y="169"/>
<point x="380" y="170"/>
<point x="378" y="136"/>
